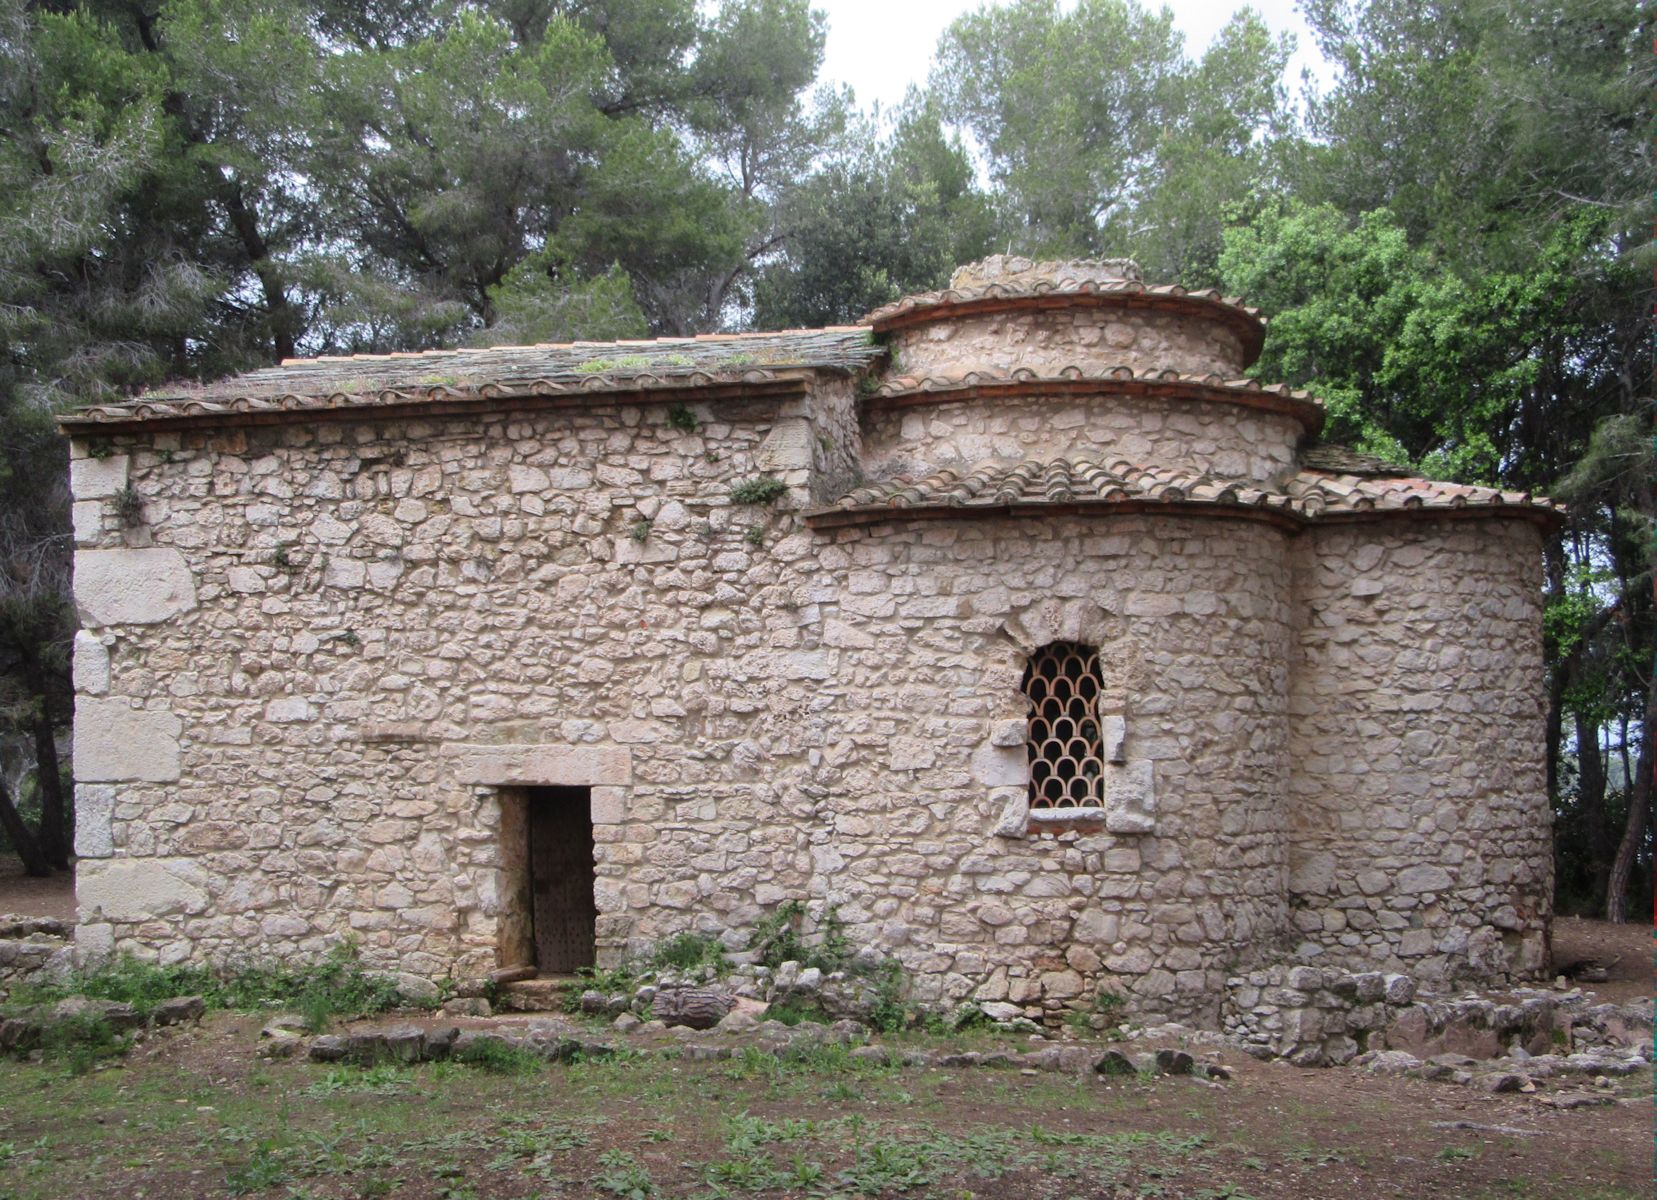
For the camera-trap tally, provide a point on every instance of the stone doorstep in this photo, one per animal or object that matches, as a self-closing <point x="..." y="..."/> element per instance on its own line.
<point x="544" y="993"/>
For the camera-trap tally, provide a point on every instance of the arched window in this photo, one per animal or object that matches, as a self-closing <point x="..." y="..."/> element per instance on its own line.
<point x="1067" y="762"/>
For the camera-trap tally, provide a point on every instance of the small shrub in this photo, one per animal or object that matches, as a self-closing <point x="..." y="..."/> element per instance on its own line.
<point x="762" y="489"/>
<point x="129" y="506"/>
<point x="888" y="1014"/>
<point x="338" y="986"/>
<point x="126" y="979"/>
<point x="681" y="418"/>
<point x="335" y="985"/>
<point x="777" y="934"/>
<point x="639" y="530"/>
<point x="499" y="1058"/>
<point x="688" y="951"/>
<point x="794" y="1011"/>
<point x="777" y="939"/>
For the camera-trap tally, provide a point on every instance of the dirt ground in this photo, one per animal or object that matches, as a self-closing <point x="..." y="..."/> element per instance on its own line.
<point x="53" y="896"/>
<point x="197" y="1114"/>
<point x="1628" y="947"/>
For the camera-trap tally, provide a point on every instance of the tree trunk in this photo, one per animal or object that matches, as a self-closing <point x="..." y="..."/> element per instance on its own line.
<point x="1639" y="815"/>
<point x="34" y="863"/>
<point x="54" y="824"/>
<point x="1591" y="797"/>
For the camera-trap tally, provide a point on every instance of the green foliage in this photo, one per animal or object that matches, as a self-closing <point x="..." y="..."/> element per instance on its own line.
<point x="795" y="1011"/>
<point x="129" y="506"/>
<point x="1102" y="136"/>
<point x="882" y="218"/>
<point x="264" y="1170"/>
<point x="762" y="489"/>
<point x="681" y="418"/>
<point x="336" y="985"/>
<point x="689" y="951"/>
<point x="889" y="1013"/>
<point x="623" y="1176"/>
<point x="80" y="1042"/>
<point x="499" y="1057"/>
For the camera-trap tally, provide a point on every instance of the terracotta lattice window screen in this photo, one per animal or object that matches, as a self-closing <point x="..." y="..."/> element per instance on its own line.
<point x="1066" y="753"/>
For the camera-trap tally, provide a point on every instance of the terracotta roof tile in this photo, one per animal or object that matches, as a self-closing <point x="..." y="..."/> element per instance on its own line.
<point x="1050" y="287"/>
<point x="1306" y="495"/>
<point x="1330" y="457"/>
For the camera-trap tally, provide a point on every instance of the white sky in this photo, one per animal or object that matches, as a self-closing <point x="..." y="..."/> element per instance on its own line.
<point x="880" y="47"/>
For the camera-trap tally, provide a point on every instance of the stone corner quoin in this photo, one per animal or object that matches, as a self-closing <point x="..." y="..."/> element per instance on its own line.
<point x="370" y="655"/>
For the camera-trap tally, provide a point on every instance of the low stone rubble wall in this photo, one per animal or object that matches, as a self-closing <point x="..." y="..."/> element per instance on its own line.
<point x="24" y="1032"/>
<point x="1319" y="1016"/>
<point x="34" y="948"/>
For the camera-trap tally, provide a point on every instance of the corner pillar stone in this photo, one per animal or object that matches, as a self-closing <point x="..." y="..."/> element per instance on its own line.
<point x="132" y="587"/>
<point x="115" y="742"/>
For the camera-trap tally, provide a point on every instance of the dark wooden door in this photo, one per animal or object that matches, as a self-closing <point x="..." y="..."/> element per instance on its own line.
<point x="561" y="878"/>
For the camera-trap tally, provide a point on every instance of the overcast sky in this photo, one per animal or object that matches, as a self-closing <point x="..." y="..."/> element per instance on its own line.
<point x="880" y="47"/>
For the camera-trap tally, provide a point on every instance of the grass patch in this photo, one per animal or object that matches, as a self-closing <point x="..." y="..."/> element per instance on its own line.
<point x="79" y="1043"/>
<point x="690" y="951"/>
<point x="336" y="985"/>
<point x="500" y="1058"/>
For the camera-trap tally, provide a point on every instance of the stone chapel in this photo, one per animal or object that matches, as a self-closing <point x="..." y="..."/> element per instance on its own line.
<point x="1018" y="624"/>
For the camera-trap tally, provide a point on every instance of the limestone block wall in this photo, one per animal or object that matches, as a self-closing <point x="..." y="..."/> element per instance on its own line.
<point x="311" y="666"/>
<point x="1091" y="337"/>
<point x="1421" y="827"/>
<point x="1191" y="435"/>
<point x="932" y="625"/>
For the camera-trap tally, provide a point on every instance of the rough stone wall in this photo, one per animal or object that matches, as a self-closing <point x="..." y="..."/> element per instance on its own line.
<point x="322" y="653"/>
<point x="338" y="643"/>
<point x="297" y="708"/>
<point x="1421" y="830"/>
<point x="837" y="440"/>
<point x="933" y="624"/>
<point x="1047" y="341"/>
<point x="1227" y="440"/>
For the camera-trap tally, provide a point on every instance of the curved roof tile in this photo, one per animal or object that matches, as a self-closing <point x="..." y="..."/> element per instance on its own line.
<point x="1308" y="495"/>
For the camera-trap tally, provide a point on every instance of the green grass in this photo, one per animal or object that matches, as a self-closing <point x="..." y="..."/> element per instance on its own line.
<point x="500" y="1058"/>
<point x="207" y="1118"/>
<point x="336" y="985"/>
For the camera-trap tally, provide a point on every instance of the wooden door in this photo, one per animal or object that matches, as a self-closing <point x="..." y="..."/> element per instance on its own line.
<point x="561" y="878"/>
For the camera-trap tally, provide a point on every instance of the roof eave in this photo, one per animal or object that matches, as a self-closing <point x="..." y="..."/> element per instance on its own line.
<point x="440" y="401"/>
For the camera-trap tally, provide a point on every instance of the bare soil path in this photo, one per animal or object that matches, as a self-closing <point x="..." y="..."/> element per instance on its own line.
<point x="1628" y="946"/>
<point x="197" y="1114"/>
<point x="53" y="896"/>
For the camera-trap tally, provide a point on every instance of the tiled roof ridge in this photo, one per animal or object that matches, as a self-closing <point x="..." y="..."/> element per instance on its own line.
<point x="941" y="385"/>
<point x="947" y="297"/>
<point x="162" y="408"/>
<point x="458" y="375"/>
<point x="1305" y="495"/>
<point x="690" y="339"/>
